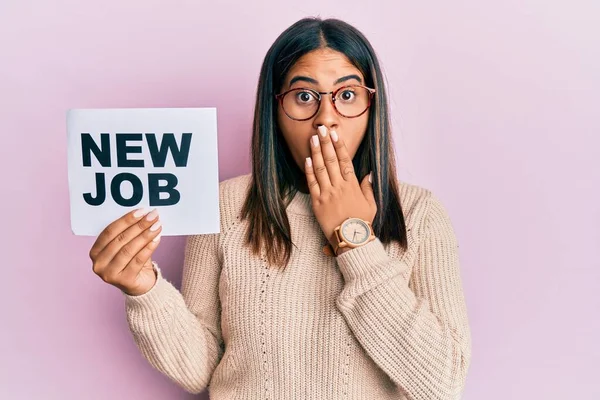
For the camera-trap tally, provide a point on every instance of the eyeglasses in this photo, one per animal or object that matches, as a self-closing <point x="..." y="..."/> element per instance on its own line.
<point x="350" y="101"/>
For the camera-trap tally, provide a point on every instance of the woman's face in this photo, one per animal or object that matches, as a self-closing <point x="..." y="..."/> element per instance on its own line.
<point x="323" y="70"/>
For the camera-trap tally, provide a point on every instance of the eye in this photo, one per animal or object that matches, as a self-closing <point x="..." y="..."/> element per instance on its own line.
<point x="304" y="97"/>
<point x="347" y="95"/>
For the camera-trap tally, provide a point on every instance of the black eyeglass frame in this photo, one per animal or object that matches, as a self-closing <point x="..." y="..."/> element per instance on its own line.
<point x="318" y="94"/>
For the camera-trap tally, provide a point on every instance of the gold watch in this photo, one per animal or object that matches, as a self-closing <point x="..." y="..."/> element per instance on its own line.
<point x="352" y="233"/>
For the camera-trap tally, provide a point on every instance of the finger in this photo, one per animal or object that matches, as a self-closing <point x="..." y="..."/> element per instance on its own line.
<point x="124" y="247"/>
<point x="345" y="161"/>
<point x="318" y="164"/>
<point x="311" y="179"/>
<point x="366" y="187"/>
<point x="330" y="157"/>
<point x="133" y="256"/>
<point x="129" y="253"/>
<point x="141" y="260"/>
<point x="115" y="228"/>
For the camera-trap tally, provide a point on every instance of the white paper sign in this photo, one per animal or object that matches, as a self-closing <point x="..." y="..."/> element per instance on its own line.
<point x="123" y="159"/>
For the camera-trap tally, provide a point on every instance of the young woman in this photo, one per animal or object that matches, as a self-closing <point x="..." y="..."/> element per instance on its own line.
<point x="329" y="279"/>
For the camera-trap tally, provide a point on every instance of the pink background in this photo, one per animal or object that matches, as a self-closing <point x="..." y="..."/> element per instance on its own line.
<point x="495" y="108"/>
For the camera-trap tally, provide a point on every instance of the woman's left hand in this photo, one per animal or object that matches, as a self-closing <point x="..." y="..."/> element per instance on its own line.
<point x="334" y="188"/>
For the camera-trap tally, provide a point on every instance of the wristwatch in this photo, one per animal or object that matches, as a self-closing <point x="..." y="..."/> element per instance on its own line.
<point x="352" y="233"/>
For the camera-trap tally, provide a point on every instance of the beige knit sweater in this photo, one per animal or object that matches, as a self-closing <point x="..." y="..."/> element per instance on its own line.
<point x="374" y="323"/>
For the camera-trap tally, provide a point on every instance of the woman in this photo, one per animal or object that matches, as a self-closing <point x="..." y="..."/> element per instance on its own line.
<point x="329" y="278"/>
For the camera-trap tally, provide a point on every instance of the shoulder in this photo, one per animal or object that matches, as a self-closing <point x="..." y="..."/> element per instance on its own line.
<point x="235" y="186"/>
<point x="422" y="208"/>
<point x="232" y="195"/>
<point x="414" y="201"/>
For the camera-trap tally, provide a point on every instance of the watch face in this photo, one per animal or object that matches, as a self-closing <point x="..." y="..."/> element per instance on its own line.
<point x="355" y="231"/>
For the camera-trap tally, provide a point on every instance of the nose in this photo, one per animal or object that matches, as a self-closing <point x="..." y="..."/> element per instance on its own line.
<point x="327" y="115"/>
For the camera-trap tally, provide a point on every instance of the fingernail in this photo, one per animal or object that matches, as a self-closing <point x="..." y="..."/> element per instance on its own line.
<point x="322" y="130"/>
<point x="157" y="238"/>
<point x="333" y="135"/>
<point x="141" y="211"/>
<point x="156" y="225"/>
<point x="152" y="215"/>
<point x="370" y="177"/>
<point x="309" y="161"/>
<point x="315" y="140"/>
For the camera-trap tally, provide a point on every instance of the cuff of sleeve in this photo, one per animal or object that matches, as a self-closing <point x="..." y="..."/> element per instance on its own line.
<point x="154" y="299"/>
<point x="367" y="266"/>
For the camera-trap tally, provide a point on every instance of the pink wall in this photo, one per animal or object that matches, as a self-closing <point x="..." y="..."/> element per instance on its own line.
<point x="495" y="108"/>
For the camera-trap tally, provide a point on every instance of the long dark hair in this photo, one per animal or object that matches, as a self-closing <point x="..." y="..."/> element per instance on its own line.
<point x="275" y="175"/>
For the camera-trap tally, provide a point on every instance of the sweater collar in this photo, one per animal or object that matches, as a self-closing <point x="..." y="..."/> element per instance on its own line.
<point x="300" y="204"/>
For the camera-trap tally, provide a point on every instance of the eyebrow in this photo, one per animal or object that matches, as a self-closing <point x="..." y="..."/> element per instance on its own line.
<point x="314" y="81"/>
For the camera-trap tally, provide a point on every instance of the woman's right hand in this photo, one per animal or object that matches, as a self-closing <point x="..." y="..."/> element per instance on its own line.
<point x="122" y="253"/>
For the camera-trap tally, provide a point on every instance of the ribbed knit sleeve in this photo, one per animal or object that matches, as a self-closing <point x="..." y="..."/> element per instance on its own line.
<point x="413" y="326"/>
<point x="179" y="332"/>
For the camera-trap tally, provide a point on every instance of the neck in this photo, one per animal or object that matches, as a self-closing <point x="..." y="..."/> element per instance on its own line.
<point x="299" y="179"/>
<point x="303" y="187"/>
